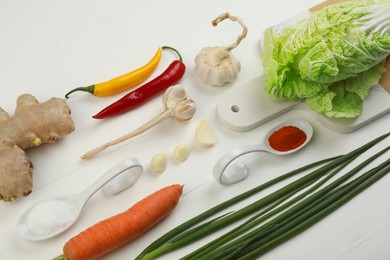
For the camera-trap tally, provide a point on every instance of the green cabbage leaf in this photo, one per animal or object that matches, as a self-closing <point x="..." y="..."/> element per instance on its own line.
<point x="326" y="59"/>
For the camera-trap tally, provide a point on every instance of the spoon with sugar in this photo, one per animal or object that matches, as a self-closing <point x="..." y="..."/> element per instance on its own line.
<point x="53" y="216"/>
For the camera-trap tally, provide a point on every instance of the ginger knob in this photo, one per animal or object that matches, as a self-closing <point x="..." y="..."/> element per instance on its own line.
<point x="20" y="132"/>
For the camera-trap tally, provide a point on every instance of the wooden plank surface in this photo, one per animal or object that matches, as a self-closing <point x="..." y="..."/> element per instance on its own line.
<point x="326" y="3"/>
<point x="385" y="80"/>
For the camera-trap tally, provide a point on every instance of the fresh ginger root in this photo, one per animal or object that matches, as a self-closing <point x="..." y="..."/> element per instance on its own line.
<point x="32" y="124"/>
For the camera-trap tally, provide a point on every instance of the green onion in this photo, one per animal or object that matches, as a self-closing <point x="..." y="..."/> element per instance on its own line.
<point x="259" y="218"/>
<point x="294" y="216"/>
<point x="317" y="213"/>
<point x="187" y="232"/>
<point x="167" y="243"/>
<point x="197" y="219"/>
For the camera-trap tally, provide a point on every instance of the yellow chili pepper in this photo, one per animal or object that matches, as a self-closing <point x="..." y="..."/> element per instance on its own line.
<point x="122" y="82"/>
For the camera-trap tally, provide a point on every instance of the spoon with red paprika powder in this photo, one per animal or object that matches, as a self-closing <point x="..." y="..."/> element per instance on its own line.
<point x="285" y="138"/>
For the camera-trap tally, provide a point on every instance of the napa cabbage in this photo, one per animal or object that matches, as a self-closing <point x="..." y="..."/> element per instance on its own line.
<point x="326" y="59"/>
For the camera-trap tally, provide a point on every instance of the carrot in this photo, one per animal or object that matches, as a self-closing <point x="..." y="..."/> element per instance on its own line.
<point x="114" y="232"/>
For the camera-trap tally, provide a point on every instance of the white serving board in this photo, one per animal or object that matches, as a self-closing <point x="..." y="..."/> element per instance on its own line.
<point x="247" y="106"/>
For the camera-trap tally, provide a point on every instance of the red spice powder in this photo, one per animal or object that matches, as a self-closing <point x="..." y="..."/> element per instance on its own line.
<point x="287" y="138"/>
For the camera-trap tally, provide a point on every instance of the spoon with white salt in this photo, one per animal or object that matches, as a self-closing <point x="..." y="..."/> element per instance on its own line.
<point x="228" y="172"/>
<point x="53" y="216"/>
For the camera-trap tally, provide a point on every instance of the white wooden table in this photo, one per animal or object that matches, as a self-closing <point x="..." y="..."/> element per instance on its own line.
<point x="50" y="47"/>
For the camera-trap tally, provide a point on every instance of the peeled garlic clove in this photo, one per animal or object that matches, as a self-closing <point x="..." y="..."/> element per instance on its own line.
<point x="158" y="163"/>
<point x="181" y="152"/>
<point x="205" y="136"/>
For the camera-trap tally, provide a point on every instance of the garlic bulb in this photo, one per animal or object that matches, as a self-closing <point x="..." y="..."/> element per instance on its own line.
<point x="216" y="65"/>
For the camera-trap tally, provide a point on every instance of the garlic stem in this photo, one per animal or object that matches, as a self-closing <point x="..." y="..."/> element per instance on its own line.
<point x="177" y="105"/>
<point x="161" y="117"/>
<point x="234" y="19"/>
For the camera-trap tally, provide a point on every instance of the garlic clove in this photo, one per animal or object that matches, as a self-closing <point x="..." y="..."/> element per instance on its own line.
<point x="204" y="135"/>
<point x="181" y="152"/>
<point x="174" y="95"/>
<point x="227" y="72"/>
<point x="184" y="110"/>
<point x="159" y="162"/>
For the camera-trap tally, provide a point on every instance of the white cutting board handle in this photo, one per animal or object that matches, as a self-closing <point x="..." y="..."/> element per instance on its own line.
<point x="248" y="106"/>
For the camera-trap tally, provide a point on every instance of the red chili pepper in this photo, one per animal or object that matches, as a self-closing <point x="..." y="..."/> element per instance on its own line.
<point x="144" y="93"/>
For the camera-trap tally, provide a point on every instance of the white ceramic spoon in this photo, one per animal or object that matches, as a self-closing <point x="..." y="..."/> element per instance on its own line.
<point x="71" y="204"/>
<point x="228" y="173"/>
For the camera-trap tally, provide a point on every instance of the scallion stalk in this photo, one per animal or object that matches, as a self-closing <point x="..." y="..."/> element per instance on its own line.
<point x="287" y="216"/>
<point x="294" y="216"/>
<point x="164" y="244"/>
<point x="320" y="211"/>
<point x="224" y="205"/>
<point x="207" y="250"/>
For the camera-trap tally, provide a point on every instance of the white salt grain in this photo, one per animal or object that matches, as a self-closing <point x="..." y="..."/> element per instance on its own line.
<point x="50" y="216"/>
